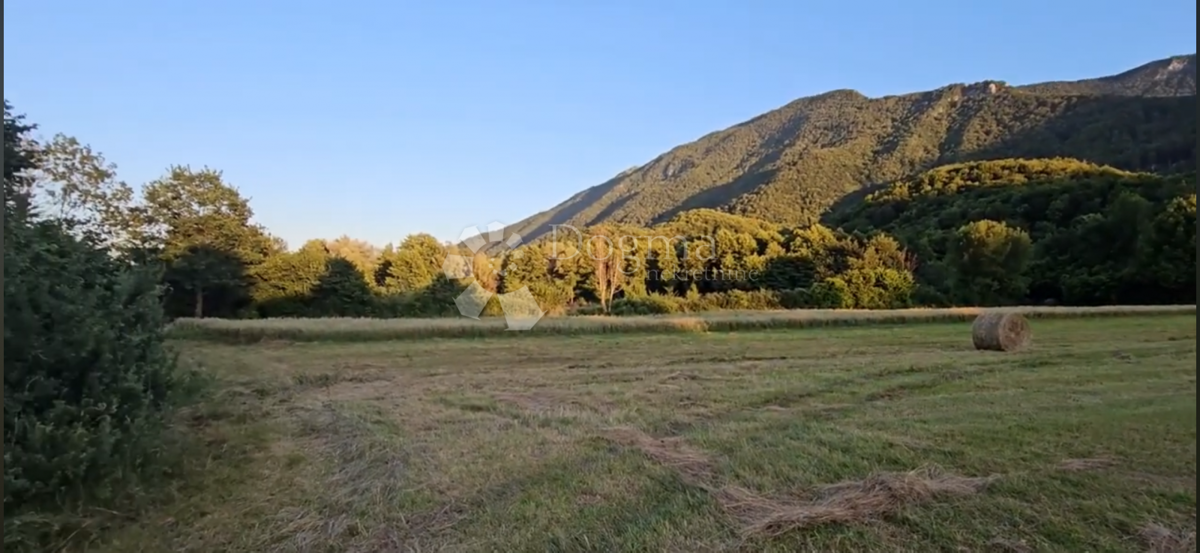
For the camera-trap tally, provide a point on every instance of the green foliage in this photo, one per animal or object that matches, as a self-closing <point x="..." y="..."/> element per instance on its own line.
<point x="202" y="228"/>
<point x="832" y="293"/>
<point x="341" y="292"/>
<point x="650" y="304"/>
<point x="76" y="183"/>
<point x="285" y="281"/>
<point x="988" y="260"/>
<point x="414" y="266"/>
<point x="1168" y="248"/>
<point x="1092" y="231"/>
<point x="982" y="233"/>
<point x="20" y="157"/>
<point x="361" y="254"/>
<point x="88" y="384"/>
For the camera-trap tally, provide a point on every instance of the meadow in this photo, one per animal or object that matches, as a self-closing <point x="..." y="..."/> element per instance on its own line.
<point x="789" y="433"/>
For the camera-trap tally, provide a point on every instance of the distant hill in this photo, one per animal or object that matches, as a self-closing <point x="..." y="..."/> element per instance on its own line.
<point x="793" y="164"/>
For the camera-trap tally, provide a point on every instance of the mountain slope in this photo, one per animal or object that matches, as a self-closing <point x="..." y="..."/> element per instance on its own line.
<point x="792" y="164"/>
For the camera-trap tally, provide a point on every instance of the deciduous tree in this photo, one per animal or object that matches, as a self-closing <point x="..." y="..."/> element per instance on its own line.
<point x="989" y="260"/>
<point x="76" y="183"/>
<point x="415" y="264"/>
<point x="201" y="227"/>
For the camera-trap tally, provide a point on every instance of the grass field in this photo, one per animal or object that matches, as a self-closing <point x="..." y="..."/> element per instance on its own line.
<point x="864" y="438"/>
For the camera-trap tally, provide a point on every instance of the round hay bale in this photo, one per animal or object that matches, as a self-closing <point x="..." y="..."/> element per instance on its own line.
<point x="1000" y="331"/>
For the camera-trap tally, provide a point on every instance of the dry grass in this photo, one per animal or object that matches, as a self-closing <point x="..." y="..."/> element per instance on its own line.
<point x="349" y="329"/>
<point x="1087" y="463"/>
<point x="1009" y="546"/>
<point x="696" y="442"/>
<point x="841" y="503"/>
<point x="672" y="452"/>
<point x="1160" y="539"/>
<point x="844" y="503"/>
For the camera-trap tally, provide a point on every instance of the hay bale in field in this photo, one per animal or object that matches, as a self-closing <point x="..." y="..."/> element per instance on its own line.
<point x="1000" y="331"/>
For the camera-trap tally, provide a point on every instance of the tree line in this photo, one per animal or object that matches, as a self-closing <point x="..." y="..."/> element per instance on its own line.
<point x="980" y="233"/>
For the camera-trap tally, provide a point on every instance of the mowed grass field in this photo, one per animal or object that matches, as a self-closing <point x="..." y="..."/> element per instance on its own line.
<point x="881" y="437"/>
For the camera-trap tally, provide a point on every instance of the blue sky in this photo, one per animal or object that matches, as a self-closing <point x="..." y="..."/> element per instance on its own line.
<point x="379" y="118"/>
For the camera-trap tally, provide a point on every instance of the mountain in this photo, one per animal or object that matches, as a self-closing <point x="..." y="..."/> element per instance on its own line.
<point x="794" y="164"/>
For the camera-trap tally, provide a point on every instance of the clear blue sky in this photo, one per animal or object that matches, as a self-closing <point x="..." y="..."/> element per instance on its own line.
<point x="382" y="118"/>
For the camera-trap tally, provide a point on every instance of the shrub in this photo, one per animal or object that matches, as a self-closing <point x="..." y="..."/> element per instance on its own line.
<point x="587" y="310"/>
<point x="799" y="298"/>
<point x="649" y="304"/>
<point x="759" y="300"/>
<point x="832" y="293"/>
<point x="87" y="380"/>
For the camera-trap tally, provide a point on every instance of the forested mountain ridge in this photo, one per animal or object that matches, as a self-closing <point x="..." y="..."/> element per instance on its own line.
<point x="792" y="164"/>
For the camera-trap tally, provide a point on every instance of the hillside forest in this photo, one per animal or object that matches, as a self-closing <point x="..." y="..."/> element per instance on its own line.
<point x="1001" y="231"/>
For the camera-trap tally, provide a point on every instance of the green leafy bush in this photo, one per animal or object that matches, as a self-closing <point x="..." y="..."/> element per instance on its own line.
<point x="88" y="383"/>
<point x="649" y="304"/>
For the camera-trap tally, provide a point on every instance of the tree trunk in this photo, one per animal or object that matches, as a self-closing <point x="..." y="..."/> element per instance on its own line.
<point x="199" y="302"/>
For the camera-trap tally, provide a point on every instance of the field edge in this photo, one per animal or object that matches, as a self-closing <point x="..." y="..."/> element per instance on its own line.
<point x="369" y="329"/>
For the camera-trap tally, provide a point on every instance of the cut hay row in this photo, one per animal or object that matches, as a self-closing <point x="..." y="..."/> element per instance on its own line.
<point x="841" y="503"/>
<point x="845" y="502"/>
<point x="361" y="330"/>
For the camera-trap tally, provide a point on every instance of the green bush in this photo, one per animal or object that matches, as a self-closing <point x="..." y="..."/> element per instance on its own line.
<point x="833" y="293"/>
<point x="587" y="310"/>
<point x="798" y="298"/>
<point x="88" y="383"/>
<point x="648" y="304"/>
<point x="747" y="300"/>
